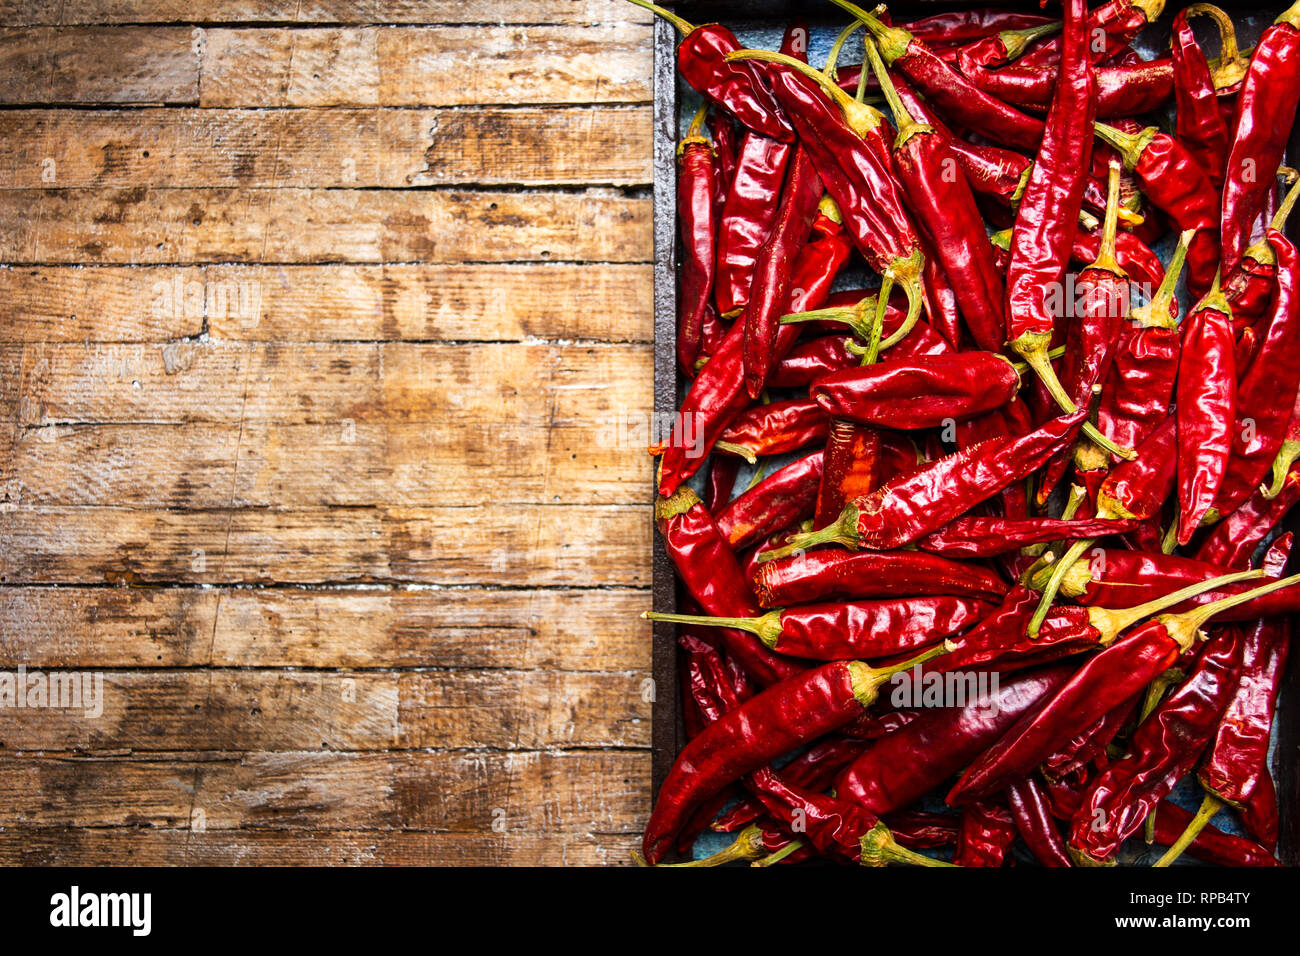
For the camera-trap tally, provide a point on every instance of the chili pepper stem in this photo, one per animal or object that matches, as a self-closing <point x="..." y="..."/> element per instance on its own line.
<point x="831" y="69"/>
<point x="850" y="315"/>
<point x="1155" y="314"/>
<point x="1209" y="807"/>
<point x="766" y="628"/>
<point x="1111" y="623"/>
<point x="893" y="41"/>
<point x="842" y="531"/>
<point x="1106" y="252"/>
<point x="1023" y="367"/>
<point x="1184" y="627"/>
<point x="1286" y="457"/>
<point x="877" y="327"/>
<point x="682" y="26"/>
<point x="906" y="272"/>
<point x="1231" y="65"/>
<point x="1169" y="542"/>
<point x="1053" y="583"/>
<point x="773" y="858"/>
<point x="904" y="122"/>
<point x="733" y="449"/>
<point x="1261" y="251"/>
<point x="1032" y="346"/>
<point x="748" y="845"/>
<point x="879" y="848"/>
<point x="1155" y="692"/>
<point x="1016" y="41"/>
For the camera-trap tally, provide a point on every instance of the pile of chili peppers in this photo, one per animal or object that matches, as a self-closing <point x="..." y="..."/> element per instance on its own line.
<point x="1011" y="458"/>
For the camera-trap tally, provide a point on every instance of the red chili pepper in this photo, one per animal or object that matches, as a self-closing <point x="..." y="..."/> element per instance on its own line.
<point x="853" y="459"/>
<point x="922" y="830"/>
<point x="784" y="498"/>
<point x="1116" y="22"/>
<point x="962" y="26"/>
<point x="718" y="395"/>
<point x="774" y="429"/>
<point x="1249" y="287"/>
<point x="748" y="217"/>
<point x="833" y="574"/>
<point x="1134" y="256"/>
<point x="722" y="481"/>
<point x="852" y="631"/>
<point x="1175" y="183"/>
<point x="1033" y="819"/>
<point x="735" y="87"/>
<point x="987" y="830"/>
<point x="896" y="771"/>
<point x="769" y="724"/>
<point x="1163" y="749"/>
<point x="1090" y="745"/>
<point x="1265" y="111"/>
<point x="726" y="147"/>
<point x="1206" y="396"/>
<point x="910" y="507"/>
<point x="773" y="269"/>
<point x="1121" y="90"/>
<point x="1232" y="541"/>
<point x="1200" y="125"/>
<point x="815" y="769"/>
<point x="1212" y="845"/>
<point x="999" y="49"/>
<point x="696" y="180"/>
<point x="984" y="537"/>
<point x="710" y="573"/>
<point x="811" y="360"/>
<point x="1137" y="489"/>
<point x="907" y="395"/>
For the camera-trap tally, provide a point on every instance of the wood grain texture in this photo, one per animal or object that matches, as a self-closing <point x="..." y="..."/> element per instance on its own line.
<point x="324" y="378"/>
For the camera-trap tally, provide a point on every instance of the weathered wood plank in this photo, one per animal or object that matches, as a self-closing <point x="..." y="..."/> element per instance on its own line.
<point x="334" y="148"/>
<point x="99" y="65"/>
<point x="564" y="546"/>
<point x="94" y="628"/>
<point x="455" y="461"/>
<point x="464" y="303"/>
<point x="125" y="846"/>
<point x="427" y="66"/>
<point x="504" y="384"/>
<point x="44" y="13"/>
<point x="551" y="794"/>
<point x="150" y="226"/>
<point x="232" y="710"/>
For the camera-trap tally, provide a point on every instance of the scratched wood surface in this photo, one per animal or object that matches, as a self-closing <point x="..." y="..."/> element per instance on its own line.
<point x="324" y="362"/>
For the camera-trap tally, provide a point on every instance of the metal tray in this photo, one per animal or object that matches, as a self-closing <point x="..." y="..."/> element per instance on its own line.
<point x="825" y="20"/>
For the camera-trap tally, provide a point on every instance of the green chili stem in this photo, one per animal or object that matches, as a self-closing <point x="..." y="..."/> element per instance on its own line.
<point x="1053" y="584"/>
<point x="1155" y="314"/>
<point x="1015" y="41"/>
<point x="748" y="845"/>
<point x="1286" y="457"/>
<point x="774" y="858"/>
<point x="1195" y="619"/>
<point x="682" y="26"/>
<point x="1111" y="623"/>
<point x="842" y="531"/>
<point x="1209" y="807"/>
<point x="732" y="448"/>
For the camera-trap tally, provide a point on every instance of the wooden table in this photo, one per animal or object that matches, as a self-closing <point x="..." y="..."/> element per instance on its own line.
<point x="324" y="360"/>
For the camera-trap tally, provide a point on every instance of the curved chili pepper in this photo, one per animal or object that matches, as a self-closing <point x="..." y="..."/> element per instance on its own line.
<point x="696" y="180"/>
<point x="726" y="148"/>
<point x="1199" y="122"/>
<point x="987" y="830"/>
<point x="1091" y="744"/>
<point x="1137" y="489"/>
<point x="769" y="724"/>
<point x="852" y="631"/>
<point x="833" y="574"/>
<point x="810" y="360"/>
<point x="1121" y="90"/>
<point x="945" y="212"/>
<point x="962" y="26"/>
<point x="774" y="429"/>
<point x="784" y="498"/>
<point x="1211" y="845"/>
<point x="910" y="507"/>
<point x="748" y="217"/>
<point x="896" y="771"/>
<point x="735" y="87"/>
<point x="1115" y="21"/>
<point x="853" y="454"/>
<point x="718" y="394"/>
<point x="1206" y="396"/>
<point x="1175" y="183"/>
<point x="710" y="573"/>
<point x="1261" y="422"/>
<point x="922" y="830"/>
<point x="1232" y="541"/>
<point x="905" y="395"/>
<point x="999" y="49"/>
<point x="1033" y="819"/>
<point x="1105" y="681"/>
<point x="984" y="537"/>
<point x="1163" y="749"/>
<point x="1265" y="110"/>
<point x="1249" y="287"/>
<point x="722" y="481"/>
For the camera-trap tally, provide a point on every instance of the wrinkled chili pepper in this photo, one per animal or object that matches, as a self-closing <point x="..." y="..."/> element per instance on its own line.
<point x="696" y="180"/>
<point x="1206" y="396"/>
<point x="849" y="631"/>
<point x="853" y="460"/>
<point x="1033" y="819"/>
<point x="811" y="360"/>
<point x="834" y="574"/>
<point x="784" y="498"/>
<point x="922" y="829"/>
<point x="987" y="830"/>
<point x="1249" y="286"/>
<point x="1232" y="541"/>
<point x="748" y="217"/>
<point x="984" y="537"/>
<point x="722" y="482"/>
<point x="1265" y="111"/>
<point x="1199" y="122"/>
<point x="962" y="26"/>
<point x="814" y="769"/>
<point x="1211" y="845"/>
<point x="1117" y="22"/>
<point x="774" y="429"/>
<point x="1163" y="749"/>
<point x="769" y="724"/>
<point x="999" y="49"/>
<point x="1121" y="90"/>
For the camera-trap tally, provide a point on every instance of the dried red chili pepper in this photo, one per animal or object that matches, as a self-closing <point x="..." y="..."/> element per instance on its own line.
<point x="987" y="830"/>
<point x="907" y="395"/>
<point x="1206" y="397"/>
<point x="1089" y="745"/>
<point x="769" y="724"/>
<point x="1264" y="114"/>
<point x="748" y="217"/>
<point x="696" y="179"/>
<point x="1199" y="122"/>
<point x="815" y="769"/>
<point x="1249" y="287"/>
<point x="852" y="631"/>
<point x="1163" y="749"/>
<point x="999" y="49"/>
<point x="853" y="460"/>
<point x="910" y="507"/>
<point x="833" y="574"/>
<point x="1033" y="819"/>
<point x="710" y="573"/>
<point x="962" y="26"/>
<point x="735" y="87"/>
<point x="984" y="537"/>
<point x="781" y="500"/>
<point x="1116" y="22"/>
<point x="896" y="771"/>
<point x="1121" y="90"/>
<point x="922" y="830"/>
<point x="811" y="360"/>
<point x="774" y="429"/>
<point x="1212" y="845"/>
<point x="726" y="147"/>
<point x="722" y="481"/>
<point x="1105" y="681"/>
<point x="1232" y="541"/>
